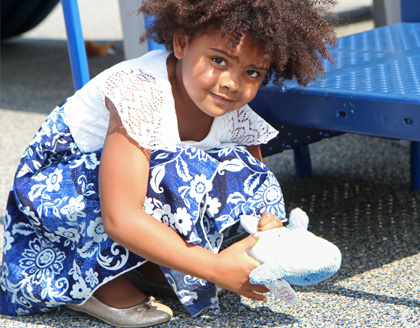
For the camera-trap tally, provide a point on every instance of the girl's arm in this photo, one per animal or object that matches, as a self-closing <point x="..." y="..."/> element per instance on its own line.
<point x="256" y="151"/>
<point x="123" y="181"/>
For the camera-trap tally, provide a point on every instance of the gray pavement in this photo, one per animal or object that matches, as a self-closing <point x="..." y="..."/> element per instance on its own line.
<point x="358" y="196"/>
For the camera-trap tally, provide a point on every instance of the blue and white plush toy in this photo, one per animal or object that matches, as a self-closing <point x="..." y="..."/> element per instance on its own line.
<point x="290" y="254"/>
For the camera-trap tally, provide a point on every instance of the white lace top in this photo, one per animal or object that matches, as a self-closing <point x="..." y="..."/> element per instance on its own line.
<point x="142" y="94"/>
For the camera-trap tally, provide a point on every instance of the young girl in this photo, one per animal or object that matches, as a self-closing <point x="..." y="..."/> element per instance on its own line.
<point x="150" y="165"/>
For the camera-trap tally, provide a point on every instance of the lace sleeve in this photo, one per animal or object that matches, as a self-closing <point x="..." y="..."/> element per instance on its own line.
<point x="246" y="127"/>
<point x="142" y="105"/>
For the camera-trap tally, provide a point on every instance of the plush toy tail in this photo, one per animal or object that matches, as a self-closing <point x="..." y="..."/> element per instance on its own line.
<point x="298" y="219"/>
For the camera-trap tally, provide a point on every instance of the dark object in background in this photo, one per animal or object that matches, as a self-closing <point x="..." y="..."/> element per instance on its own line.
<point x="19" y="16"/>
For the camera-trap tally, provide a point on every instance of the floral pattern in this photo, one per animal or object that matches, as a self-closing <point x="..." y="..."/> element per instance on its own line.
<point x="41" y="260"/>
<point x="56" y="250"/>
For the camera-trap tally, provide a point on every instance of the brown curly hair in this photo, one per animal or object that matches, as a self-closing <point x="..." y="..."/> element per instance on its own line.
<point x="293" y="33"/>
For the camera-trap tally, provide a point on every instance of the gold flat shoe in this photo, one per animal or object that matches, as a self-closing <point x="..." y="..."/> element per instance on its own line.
<point x="146" y="314"/>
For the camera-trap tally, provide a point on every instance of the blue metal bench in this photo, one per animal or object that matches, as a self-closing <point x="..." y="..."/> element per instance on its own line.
<point x="374" y="89"/>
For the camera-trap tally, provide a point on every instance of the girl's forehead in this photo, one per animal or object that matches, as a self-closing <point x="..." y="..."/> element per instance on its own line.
<point x="229" y="38"/>
<point x="246" y="47"/>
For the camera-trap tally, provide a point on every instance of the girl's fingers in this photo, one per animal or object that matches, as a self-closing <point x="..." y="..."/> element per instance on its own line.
<point x="258" y="297"/>
<point x="269" y="221"/>
<point x="246" y="243"/>
<point x="255" y="292"/>
<point x="261" y="289"/>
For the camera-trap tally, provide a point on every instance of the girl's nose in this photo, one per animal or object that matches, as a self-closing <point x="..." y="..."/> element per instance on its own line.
<point x="231" y="81"/>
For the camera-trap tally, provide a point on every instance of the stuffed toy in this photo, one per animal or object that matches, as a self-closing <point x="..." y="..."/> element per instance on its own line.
<point x="95" y="49"/>
<point x="290" y="254"/>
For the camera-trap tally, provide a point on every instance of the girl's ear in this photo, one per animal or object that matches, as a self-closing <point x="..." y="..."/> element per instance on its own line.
<point x="180" y="42"/>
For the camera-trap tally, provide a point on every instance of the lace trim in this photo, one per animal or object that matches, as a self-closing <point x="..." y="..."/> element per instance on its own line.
<point x="142" y="105"/>
<point x="248" y="128"/>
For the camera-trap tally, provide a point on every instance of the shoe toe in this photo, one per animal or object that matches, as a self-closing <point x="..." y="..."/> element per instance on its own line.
<point x="146" y="314"/>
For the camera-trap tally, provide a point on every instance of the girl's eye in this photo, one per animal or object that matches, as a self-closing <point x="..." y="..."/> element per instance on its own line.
<point x="219" y="61"/>
<point x="252" y="73"/>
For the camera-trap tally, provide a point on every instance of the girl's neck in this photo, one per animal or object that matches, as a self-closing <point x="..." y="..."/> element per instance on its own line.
<point x="193" y="124"/>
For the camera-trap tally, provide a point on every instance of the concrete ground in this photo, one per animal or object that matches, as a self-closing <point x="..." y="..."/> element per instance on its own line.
<point x="358" y="196"/>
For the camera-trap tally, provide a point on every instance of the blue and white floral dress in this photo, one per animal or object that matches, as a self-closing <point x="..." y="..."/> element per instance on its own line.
<point x="55" y="248"/>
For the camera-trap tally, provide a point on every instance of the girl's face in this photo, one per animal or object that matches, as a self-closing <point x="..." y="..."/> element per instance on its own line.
<point x="216" y="77"/>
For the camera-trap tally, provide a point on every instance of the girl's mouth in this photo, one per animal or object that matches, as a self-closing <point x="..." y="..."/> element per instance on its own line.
<point x="222" y="98"/>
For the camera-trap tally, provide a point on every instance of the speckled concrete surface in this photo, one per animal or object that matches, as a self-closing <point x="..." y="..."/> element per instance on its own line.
<point x="358" y="198"/>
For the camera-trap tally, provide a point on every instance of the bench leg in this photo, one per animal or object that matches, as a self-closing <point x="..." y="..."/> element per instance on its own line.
<point x="415" y="165"/>
<point x="75" y="43"/>
<point x="303" y="166"/>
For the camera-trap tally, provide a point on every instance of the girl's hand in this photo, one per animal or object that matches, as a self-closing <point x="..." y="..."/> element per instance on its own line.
<point x="269" y="221"/>
<point x="234" y="266"/>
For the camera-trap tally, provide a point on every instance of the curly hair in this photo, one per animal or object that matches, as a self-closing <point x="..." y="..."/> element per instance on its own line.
<point x="294" y="34"/>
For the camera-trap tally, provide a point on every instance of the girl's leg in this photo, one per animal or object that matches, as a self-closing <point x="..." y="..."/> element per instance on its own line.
<point x="119" y="293"/>
<point x="150" y="279"/>
<point x="153" y="271"/>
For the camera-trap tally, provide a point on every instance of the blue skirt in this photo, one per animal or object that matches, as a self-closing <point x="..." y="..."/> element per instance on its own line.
<point x="55" y="248"/>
